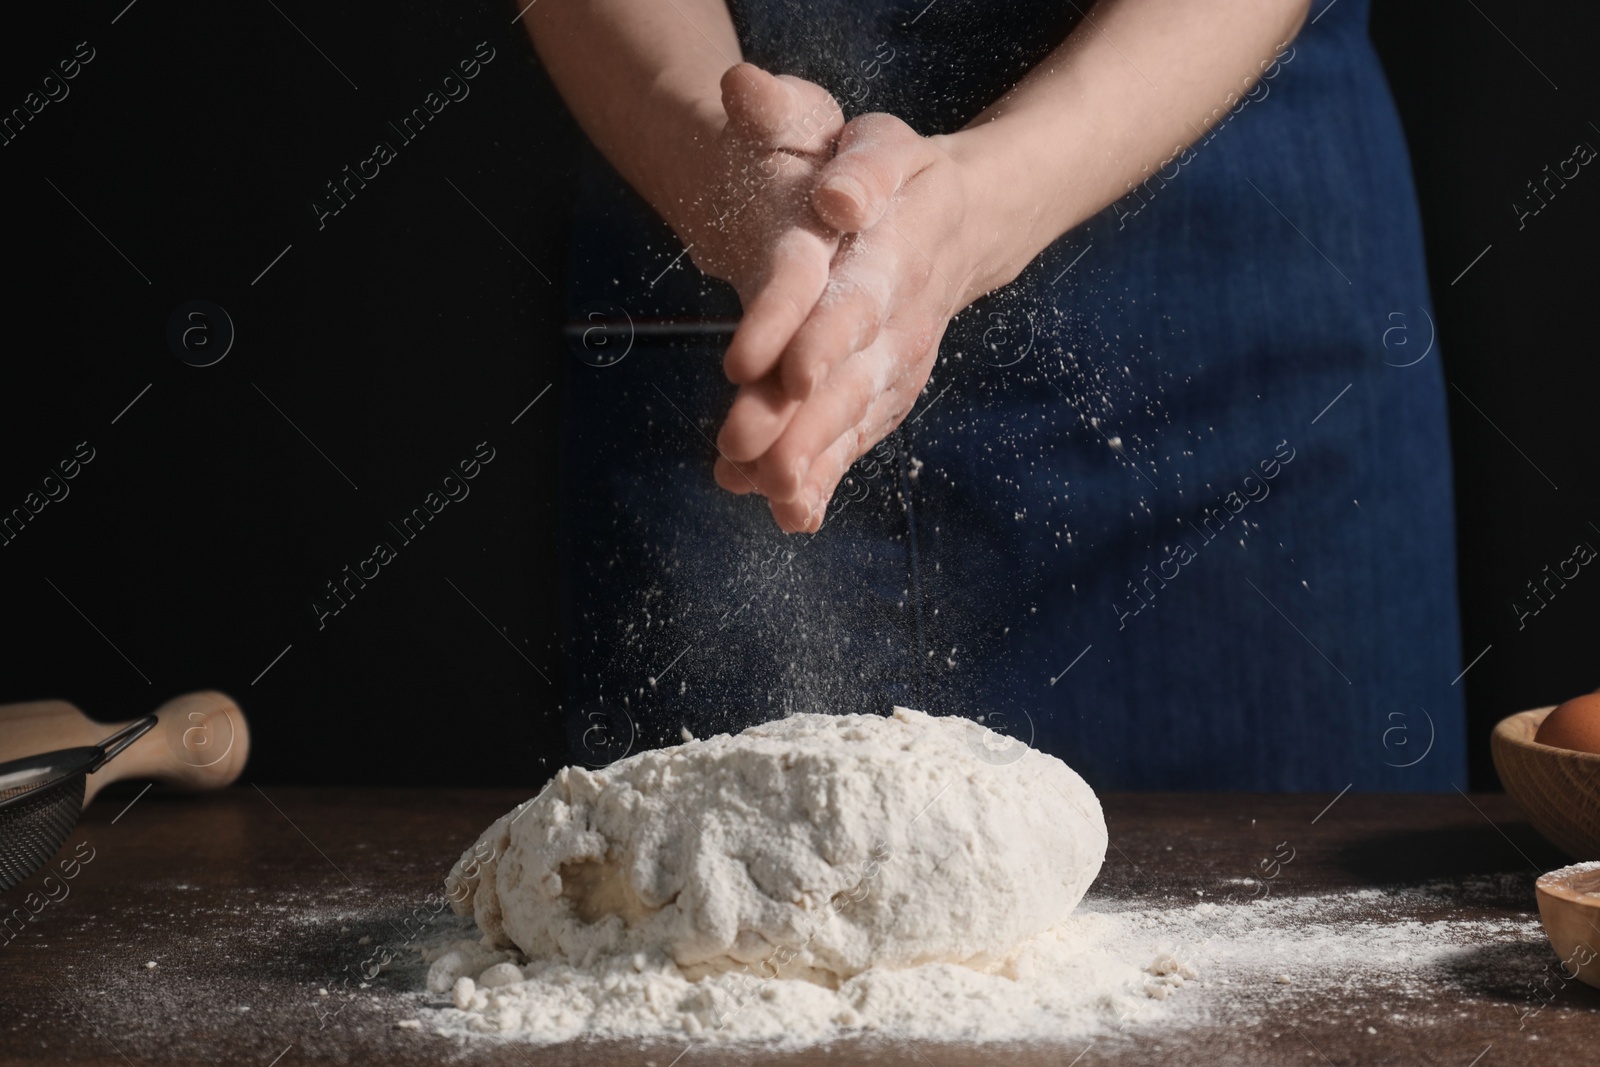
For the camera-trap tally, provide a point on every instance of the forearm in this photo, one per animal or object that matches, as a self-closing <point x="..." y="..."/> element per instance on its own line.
<point x="642" y="80"/>
<point x="1124" y="93"/>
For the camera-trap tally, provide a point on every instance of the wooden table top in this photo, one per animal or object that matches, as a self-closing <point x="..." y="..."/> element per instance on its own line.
<point x="248" y="901"/>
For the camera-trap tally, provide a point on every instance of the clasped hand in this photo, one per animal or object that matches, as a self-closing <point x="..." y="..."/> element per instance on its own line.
<point x="850" y="247"/>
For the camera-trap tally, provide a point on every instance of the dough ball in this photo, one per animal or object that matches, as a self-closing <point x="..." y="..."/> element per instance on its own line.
<point x="813" y="847"/>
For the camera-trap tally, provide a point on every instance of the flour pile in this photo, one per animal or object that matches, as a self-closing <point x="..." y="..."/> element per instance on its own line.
<point x="808" y="878"/>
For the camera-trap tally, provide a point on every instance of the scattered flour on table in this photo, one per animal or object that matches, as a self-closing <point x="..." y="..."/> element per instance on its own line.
<point x="824" y="877"/>
<point x="1105" y="970"/>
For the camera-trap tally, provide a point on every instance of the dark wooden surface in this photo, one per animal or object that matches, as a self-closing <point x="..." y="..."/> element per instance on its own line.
<point x="249" y="901"/>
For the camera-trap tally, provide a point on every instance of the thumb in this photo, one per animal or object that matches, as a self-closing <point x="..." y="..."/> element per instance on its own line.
<point x="877" y="155"/>
<point x="780" y="111"/>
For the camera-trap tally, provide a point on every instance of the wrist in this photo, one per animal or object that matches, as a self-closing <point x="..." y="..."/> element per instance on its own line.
<point x="690" y="122"/>
<point x="989" y="236"/>
<point x="1013" y="214"/>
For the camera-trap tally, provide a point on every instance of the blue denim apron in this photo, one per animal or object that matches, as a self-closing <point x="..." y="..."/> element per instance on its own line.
<point x="1175" y="505"/>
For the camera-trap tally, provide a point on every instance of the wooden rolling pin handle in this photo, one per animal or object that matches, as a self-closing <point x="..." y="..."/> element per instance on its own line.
<point x="200" y="741"/>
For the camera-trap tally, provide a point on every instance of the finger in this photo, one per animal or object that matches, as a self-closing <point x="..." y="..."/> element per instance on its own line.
<point x="737" y="478"/>
<point x="760" y="412"/>
<point x="805" y="514"/>
<point x="876" y="155"/>
<point x="794" y="517"/>
<point x="798" y="276"/>
<point x="781" y="111"/>
<point x="840" y="404"/>
<point x="846" y="318"/>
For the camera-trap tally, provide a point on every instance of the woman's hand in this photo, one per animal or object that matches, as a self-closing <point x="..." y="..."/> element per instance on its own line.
<point x="937" y="222"/>
<point x="848" y="375"/>
<point x="753" y="225"/>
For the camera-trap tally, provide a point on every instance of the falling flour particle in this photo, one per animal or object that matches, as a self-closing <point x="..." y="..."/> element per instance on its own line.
<point x="810" y="877"/>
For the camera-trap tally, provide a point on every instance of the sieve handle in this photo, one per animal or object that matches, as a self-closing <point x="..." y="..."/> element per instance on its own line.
<point x="113" y="745"/>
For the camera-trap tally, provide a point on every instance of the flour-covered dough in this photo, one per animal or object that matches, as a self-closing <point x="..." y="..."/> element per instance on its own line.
<point x="813" y="847"/>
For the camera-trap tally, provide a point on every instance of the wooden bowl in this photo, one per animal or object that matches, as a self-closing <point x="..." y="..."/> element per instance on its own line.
<point x="1557" y="788"/>
<point x="1569" y="907"/>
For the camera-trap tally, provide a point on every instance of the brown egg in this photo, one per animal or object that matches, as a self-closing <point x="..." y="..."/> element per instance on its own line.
<point x="1574" y="725"/>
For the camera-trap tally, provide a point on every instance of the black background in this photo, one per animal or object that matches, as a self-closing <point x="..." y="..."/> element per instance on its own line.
<point x="380" y="349"/>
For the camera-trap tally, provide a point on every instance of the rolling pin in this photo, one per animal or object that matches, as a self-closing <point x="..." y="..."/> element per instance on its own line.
<point x="200" y="741"/>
